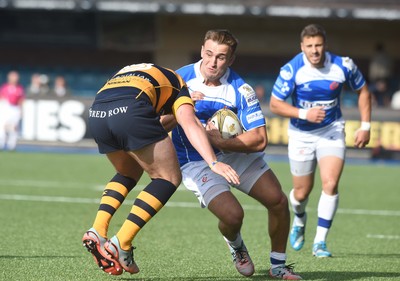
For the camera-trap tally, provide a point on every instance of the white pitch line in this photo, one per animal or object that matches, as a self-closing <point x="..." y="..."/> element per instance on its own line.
<point x="59" y="184"/>
<point x="35" y="198"/>
<point x="382" y="236"/>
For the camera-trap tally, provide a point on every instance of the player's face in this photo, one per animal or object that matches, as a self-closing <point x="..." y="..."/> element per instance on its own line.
<point x="216" y="60"/>
<point x="314" y="49"/>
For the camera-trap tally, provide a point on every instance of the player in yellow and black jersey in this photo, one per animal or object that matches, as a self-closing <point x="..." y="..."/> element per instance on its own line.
<point x="124" y="120"/>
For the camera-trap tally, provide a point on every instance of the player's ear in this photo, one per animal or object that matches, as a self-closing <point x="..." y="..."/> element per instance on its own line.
<point x="232" y="59"/>
<point x="202" y="51"/>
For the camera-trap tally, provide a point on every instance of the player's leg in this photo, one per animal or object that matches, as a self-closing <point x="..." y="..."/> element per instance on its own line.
<point x="12" y="127"/>
<point x="303" y="182"/>
<point x="230" y="216"/>
<point x="114" y="194"/>
<point x="330" y="154"/>
<point x="260" y="182"/>
<point x="302" y="159"/>
<point x="159" y="160"/>
<point x="214" y="193"/>
<point x="330" y="169"/>
<point x="117" y="189"/>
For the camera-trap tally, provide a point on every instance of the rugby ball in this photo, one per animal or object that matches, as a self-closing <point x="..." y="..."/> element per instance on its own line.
<point x="227" y="123"/>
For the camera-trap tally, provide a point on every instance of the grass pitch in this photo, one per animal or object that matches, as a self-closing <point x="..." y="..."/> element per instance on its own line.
<point x="47" y="202"/>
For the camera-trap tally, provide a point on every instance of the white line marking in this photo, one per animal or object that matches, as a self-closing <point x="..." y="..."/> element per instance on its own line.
<point x="36" y="198"/>
<point x="59" y="184"/>
<point x="382" y="236"/>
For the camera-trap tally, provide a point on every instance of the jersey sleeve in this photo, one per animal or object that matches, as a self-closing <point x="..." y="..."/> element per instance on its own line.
<point x="285" y="83"/>
<point x="183" y="96"/>
<point x="249" y="109"/>
<point x="355" y="79"/>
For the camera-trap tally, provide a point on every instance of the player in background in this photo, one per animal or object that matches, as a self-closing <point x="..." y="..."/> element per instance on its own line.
<point x="124" y="120"/>
<point x="214" y="85"/>
<point x="314" y="80"/>
<point x="12" y="96"/>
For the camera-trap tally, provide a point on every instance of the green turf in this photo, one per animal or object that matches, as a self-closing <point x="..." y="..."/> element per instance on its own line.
<point x="47" y="202"/>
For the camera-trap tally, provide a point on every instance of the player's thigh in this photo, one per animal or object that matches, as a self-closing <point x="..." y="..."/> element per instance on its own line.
<point x="267" y="189"/>
<point x="125" y="164"/>
<point x="159" y="160"/>
<point x="330" y="153"/>
<point x="198" y="178"/>
<point x="331" y="168"/>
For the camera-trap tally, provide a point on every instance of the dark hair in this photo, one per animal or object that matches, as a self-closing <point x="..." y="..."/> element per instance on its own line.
<point x="313" y="30"/>
<point x="222" y="36"/>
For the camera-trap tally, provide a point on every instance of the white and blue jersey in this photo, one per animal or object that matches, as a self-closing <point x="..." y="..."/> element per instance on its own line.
<point x="233" y="93"/>
<point x="309" y="86"/>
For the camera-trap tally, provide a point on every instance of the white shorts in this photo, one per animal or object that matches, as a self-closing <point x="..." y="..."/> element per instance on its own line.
<point x="206" y="185"/>
<point x="10" y="115"/>
<point x="307" y="147"/>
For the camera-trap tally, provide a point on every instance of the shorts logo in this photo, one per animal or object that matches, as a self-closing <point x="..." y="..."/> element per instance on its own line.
<point x="109" y="113"/>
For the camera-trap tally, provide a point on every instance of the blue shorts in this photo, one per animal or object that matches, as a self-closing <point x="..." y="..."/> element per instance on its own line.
<point x="125" y="124"/>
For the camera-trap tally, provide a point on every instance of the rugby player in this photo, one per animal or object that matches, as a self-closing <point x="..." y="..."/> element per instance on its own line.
<point x="314" y="79"/>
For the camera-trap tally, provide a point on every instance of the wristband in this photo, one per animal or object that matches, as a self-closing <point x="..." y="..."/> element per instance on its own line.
<point x="365" y="126"/>
<point x="303" y="114"/>
<point x="213" y="163"/>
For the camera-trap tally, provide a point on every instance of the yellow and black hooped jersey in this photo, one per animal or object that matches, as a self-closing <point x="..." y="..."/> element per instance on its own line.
<point x="164" y="87"/>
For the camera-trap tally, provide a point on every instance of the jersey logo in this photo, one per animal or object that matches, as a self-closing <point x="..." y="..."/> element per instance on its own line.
<point x="285" y="88"/>
<point x="286" y="72"/>
<point x="249" y="94"/>
<point x="333" y="85"/>
<point x="254" y="116"/>
<point x="306" y="87"/>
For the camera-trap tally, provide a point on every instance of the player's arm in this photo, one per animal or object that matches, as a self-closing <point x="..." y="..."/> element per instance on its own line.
<point x="254" y="140"/>
<point x="362" y="135"/>
<point x="284" y="109"/>
<point x="197" y="136"/>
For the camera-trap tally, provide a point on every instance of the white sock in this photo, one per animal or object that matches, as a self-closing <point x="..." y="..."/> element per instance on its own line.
<point x="299" y="209"/>
<point x="277" y="259"/>
<point x="237" y="243"/>
<point x="327" y="207"/>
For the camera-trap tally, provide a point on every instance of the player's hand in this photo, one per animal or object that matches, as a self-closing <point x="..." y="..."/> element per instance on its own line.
<point x="316" y="114"/>
<point x="196" y="96"/>
<point x="214" y="136"/>
<point x="361" y="138"/>
<point x="227" y="172"/>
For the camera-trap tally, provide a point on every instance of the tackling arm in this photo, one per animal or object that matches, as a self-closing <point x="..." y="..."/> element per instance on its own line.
<point x="197" y="136"/>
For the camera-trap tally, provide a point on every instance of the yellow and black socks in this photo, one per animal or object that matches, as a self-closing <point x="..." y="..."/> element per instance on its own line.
<point x="114" y="195"/>
<point x="146" y="206"/>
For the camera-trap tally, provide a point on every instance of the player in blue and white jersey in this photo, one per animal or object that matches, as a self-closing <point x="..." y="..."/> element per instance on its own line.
<point x="214" y="85"/>
<point x="314" y="80"/>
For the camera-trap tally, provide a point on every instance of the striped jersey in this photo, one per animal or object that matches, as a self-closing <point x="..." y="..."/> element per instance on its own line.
<point x="164" y="87"/>
<point x="233" y="93"/>
<point x="308" y="86"/>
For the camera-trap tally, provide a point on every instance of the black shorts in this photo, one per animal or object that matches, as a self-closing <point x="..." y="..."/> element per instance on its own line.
<point x="125" y="124"/>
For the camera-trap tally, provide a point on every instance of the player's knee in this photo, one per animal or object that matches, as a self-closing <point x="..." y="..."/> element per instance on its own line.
<point x="175" y="179"/>
<point x="278" y="203"/>
<point x="330" y="186"/>
<point x="235" y="218"/>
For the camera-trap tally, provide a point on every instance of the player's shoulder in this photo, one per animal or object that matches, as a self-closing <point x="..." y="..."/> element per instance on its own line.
<point x="187" y="72"/>
<point x="342" y="61"/>
<point x="289" y="70"/>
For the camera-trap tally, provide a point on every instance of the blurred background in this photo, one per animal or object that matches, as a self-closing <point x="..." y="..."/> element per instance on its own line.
<point x="64" y="50"/>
